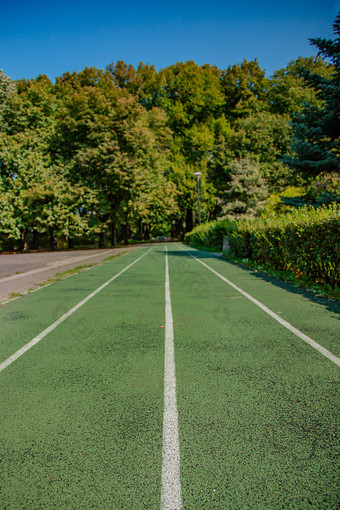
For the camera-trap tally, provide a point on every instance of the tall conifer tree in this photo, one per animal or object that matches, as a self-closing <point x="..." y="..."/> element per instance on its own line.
<point x="316" y="143"/>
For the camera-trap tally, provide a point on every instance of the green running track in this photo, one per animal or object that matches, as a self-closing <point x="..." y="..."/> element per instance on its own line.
<point x="81" y="422"/>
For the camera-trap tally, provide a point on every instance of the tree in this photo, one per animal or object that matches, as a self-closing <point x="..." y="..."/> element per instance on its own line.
<point x="7" y="89"/>
<point x="23" y="154"/>
<point x="114" y="146"/>
<point x="181" y="173"/>
<point x="220" y="156"/>
<point x="246" y="191"/>
<point x="114" y="152"/>
<point x="264" y="137"/>
<point x="288" y="91"/>
<point x="145" y="83"/>
<point x="196" y="88"/>
<point x="192" y="98"/>
<point x="316" y="142"/>
<point x="246" y="88"/>
<point x="37" y="197"/>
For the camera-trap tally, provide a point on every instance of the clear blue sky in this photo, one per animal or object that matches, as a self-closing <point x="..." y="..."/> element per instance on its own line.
<point x="43" y="37"/>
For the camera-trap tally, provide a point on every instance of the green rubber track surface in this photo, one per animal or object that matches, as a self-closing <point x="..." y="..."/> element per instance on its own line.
<point x="257" y="406"/>
<point x="81" y="412"/>
<point x="81" y="419"/>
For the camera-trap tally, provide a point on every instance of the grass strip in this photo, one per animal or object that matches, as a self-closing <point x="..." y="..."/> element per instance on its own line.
<point x="76" y="270"/>
<point x="63" y="275"/>
<point x="117" y="255"/>
<point x="14" y="295"/>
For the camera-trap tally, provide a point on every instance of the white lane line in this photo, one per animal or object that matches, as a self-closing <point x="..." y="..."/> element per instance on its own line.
<point x="61" y="319"/>
<point x="171" y="484"/>
<point x="42" y="287"/>
<point x="10" y="300"/>
<point x="279" y="319"/>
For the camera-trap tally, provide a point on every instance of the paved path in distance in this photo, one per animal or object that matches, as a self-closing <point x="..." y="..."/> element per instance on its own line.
<point x="20" y="272"/>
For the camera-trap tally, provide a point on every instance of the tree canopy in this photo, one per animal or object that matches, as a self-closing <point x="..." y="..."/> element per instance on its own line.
<point x="106" y="155"/>
<point x="316" y="142"/>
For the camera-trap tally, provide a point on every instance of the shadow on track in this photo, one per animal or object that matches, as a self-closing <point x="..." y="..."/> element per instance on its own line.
<point x="332" y="306"/>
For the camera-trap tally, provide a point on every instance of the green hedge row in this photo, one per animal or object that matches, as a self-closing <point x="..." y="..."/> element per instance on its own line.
<point x="306" y="241"/>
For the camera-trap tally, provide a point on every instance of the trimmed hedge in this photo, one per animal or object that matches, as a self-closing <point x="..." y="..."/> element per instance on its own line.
<point x="306" y="241"/>
<point x="208" y="235"/>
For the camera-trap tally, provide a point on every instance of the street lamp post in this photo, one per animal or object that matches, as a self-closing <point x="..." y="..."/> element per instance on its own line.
<point x="198" y="175"/>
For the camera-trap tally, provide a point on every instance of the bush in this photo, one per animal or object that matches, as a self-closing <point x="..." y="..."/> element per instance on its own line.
<point x="306" y="241"/>
<point x="209" y="235"/>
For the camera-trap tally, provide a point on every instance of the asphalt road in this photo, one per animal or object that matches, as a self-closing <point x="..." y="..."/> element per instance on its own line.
<point x="23" y="271"/>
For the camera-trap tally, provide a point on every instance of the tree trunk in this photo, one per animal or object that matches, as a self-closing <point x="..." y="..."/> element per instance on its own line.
<point x="147" y="232"/>
<point x="189" y="224"/>
<point x="125" y="233"/>
<point x="102" y="240"/>
<point x="102" y="236"/>
<point x="23" y="241"/>
<point x="113" y="233"/>
<point x="70" y="243"/>
<point x="20" y="244"/>
<point x="52" y="240"/>
<point x="35" y="240"/>
<point x="140" y="230"/>
<point x="177" y="229"/>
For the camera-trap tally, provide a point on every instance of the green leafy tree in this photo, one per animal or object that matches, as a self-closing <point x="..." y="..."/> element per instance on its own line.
<point x="37" y="196"/>
<point x="144" y="82"/>
<point x="264" y="137"/>
<point x="246" y="89"/>
<point x="288" y="91"/>
<point x="192" y="98"/>
<point x="114" y="152"/>
<point x="192" y="94"/>
<point x="114" y="146"/>
<point x="218" y="170"/>
<point x="7" y="89"/>
<point x="23" y="154"/>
